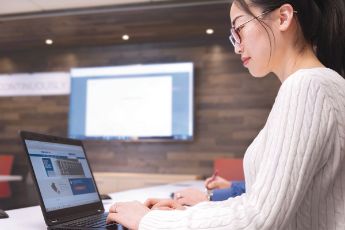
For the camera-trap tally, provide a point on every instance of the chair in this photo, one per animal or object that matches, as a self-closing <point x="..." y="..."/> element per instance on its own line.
<point x="6" y="163"/>
<point x="229" y="168"/>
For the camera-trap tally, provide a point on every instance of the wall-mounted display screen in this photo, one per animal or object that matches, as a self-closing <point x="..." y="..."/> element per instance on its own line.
<point x="136" y="102"/>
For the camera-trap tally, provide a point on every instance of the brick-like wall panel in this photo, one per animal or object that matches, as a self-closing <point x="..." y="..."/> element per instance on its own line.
<point x="230" y="106"/>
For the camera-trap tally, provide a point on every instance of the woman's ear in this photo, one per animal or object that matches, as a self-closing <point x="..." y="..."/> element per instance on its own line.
<point x="286" y="14"/>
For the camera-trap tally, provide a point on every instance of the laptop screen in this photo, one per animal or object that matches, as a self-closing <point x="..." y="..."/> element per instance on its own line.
<point x="63" y="175"/>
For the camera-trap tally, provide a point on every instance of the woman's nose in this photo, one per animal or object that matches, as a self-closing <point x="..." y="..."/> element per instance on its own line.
<point x="238" y="48"/>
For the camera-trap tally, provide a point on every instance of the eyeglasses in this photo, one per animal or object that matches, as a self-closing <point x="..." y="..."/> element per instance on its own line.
<point x="235" y="37"/>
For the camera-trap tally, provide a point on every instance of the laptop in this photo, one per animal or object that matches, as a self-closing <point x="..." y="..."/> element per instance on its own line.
<point x="69" y="197"/>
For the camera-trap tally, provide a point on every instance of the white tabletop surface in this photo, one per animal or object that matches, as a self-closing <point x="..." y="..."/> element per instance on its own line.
<point x="32" y="219"/>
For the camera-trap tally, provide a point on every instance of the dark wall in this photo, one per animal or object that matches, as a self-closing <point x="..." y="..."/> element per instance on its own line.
<point x="231" y="106"/>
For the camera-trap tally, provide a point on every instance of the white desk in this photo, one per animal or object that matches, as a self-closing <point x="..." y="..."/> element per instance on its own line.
<point x="32" y="219"/>
<point x="4" y="178"/>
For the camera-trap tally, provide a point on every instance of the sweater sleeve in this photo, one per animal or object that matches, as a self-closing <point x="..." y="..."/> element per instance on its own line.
<point x="298" y="129"/>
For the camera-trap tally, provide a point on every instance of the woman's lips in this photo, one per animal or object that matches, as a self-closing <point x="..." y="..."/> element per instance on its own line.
<point x="245" y="60"/>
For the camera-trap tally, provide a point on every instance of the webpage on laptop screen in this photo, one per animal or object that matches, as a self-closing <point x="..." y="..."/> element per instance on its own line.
<point x="63" y="175"/>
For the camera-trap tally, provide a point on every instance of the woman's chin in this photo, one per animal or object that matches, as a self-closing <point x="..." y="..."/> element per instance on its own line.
<point x="258" y="74"/>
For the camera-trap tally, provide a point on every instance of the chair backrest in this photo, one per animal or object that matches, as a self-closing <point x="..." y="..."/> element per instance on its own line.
<point x="229" y="168"/>
<point x="6" y="163"/>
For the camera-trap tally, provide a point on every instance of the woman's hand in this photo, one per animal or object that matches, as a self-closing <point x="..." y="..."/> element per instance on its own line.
<point x="163" y="204"/>
<point x="217" y="183"/>
<point x="128" y="214"/>
<point x="190" y="196"/>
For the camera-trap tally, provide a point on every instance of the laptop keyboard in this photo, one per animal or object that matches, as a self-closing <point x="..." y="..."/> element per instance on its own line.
<point x="97" y="221"/>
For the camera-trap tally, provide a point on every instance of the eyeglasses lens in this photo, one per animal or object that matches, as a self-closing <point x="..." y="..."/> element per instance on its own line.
<point x="234" y="37"/>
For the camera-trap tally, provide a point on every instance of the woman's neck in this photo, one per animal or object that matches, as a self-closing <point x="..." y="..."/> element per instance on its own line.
<point x="295" y="60"/>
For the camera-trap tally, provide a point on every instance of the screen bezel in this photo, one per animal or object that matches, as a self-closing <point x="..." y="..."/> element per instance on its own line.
<point x="66" y="214"/>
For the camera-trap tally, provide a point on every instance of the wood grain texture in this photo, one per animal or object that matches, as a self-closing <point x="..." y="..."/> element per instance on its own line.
<point x="176" y="20"/>
<point x="230" y="107"/>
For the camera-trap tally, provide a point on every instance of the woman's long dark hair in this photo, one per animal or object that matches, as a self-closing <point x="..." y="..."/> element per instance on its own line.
<point x="322" y="23"/>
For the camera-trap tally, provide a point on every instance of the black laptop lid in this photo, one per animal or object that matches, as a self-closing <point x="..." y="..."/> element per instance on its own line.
<point x="62" y="176"/>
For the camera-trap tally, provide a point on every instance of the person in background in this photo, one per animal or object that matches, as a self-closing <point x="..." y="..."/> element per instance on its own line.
<point x="295" y="167"/>
<point x="218" y="189"/>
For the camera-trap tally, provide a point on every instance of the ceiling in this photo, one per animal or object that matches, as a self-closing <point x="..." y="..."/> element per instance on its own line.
<point x="144" y="21"/>
<point x="30" y="6"/>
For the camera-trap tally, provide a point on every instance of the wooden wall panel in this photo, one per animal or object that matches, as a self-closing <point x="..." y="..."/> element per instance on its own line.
<point x="230" y="106"/>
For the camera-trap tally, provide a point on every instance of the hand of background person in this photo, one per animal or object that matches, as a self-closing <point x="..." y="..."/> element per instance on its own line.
<point x="217" y="183"/>
<point x="128" y="214"/>
<point x="190" y="196"/>
<point x="163" y="204"/>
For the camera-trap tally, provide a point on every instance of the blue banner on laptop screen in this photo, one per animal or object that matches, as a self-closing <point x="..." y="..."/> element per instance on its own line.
<point x="82" y="186"/>
<point x="48" y="165"/>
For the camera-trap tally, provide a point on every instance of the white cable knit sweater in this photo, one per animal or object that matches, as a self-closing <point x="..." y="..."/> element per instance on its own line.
<point x="294" y="169"/>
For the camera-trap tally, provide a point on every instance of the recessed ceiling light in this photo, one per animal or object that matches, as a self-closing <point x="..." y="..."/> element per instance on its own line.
<point x="209" y="31"/>
<point x="125" y="37"/>
<point x="49" y="41"/>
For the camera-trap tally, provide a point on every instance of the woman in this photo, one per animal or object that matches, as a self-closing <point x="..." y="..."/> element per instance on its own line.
<point x="295" y="167"/>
